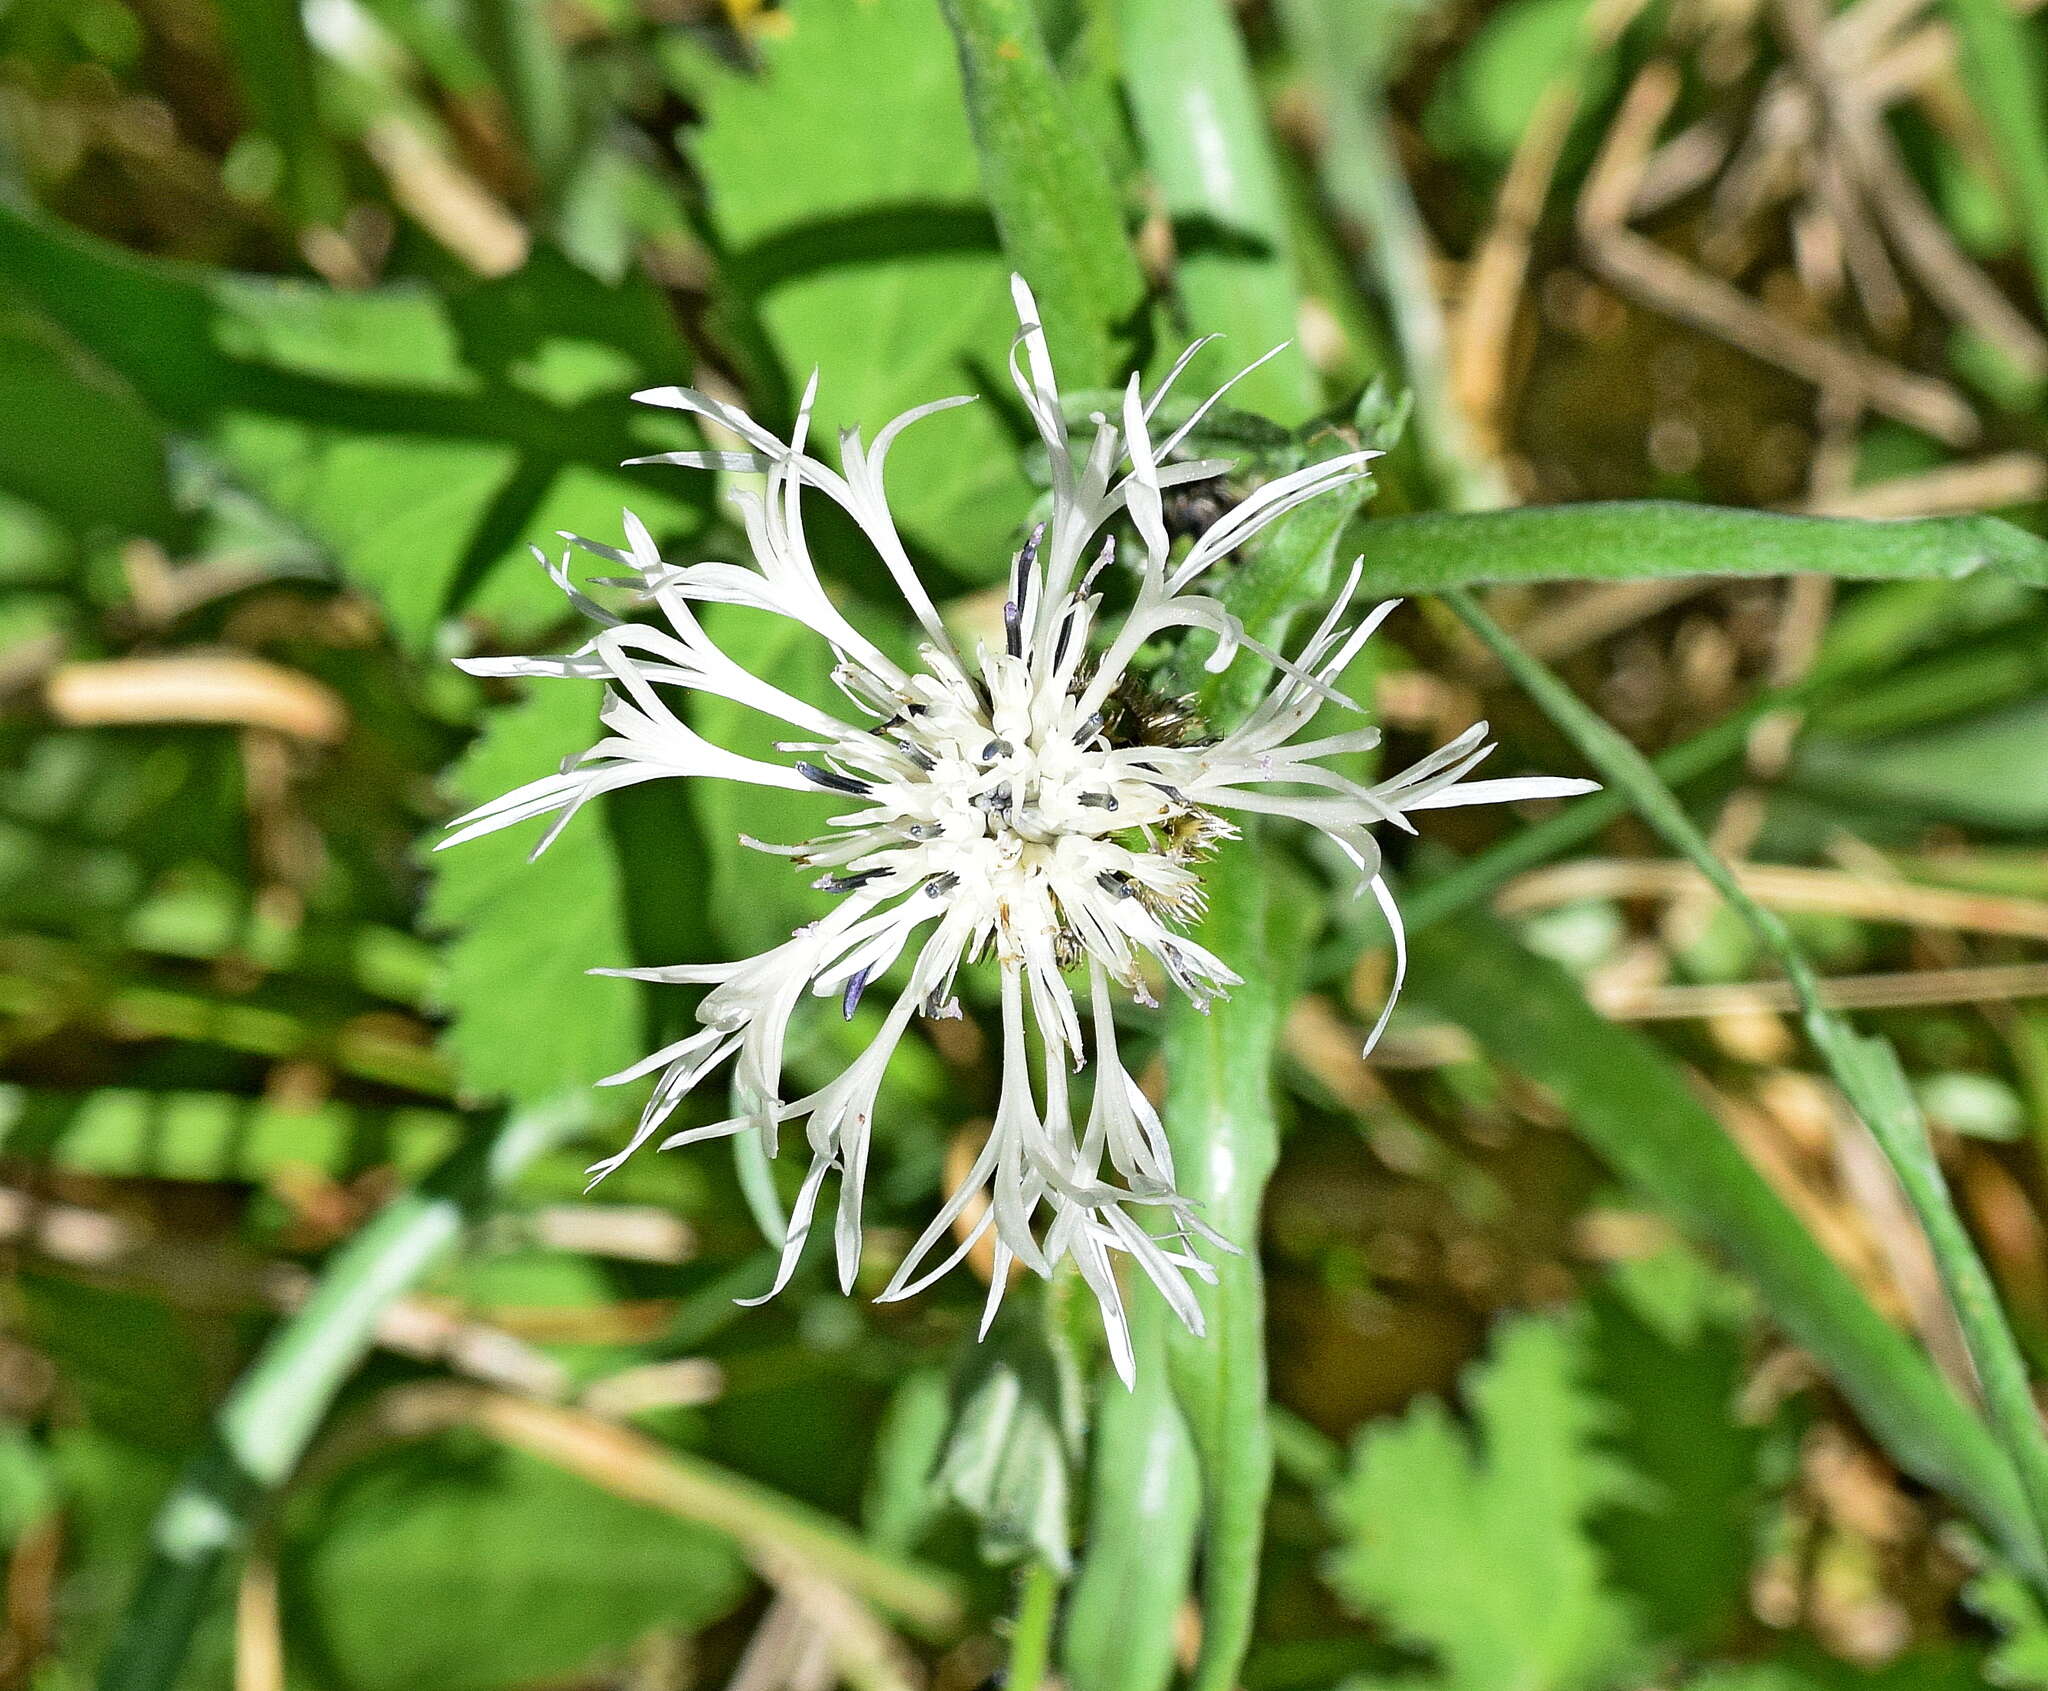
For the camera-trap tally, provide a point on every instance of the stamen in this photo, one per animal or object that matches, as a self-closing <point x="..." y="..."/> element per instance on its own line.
<point x="850" y="1001"/>
<point x="837" y="884"/>
<point x="832" y="778"/>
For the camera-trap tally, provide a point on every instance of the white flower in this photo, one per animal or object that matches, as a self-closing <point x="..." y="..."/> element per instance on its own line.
<point x="1038" y="802"/>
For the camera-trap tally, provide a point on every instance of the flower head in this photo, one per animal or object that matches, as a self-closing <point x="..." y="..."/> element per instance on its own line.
<point x="1035" y="800"/>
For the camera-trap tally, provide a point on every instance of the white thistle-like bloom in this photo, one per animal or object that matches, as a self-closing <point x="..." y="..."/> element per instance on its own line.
<point x="1037" y="802"/>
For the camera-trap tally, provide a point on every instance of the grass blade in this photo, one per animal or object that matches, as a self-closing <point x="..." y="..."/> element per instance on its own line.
<point x="1634" y="540"/>
<point x="1340" y="51"/>
<point x="1866" y="1070"/>
<point x="278" y="1403"/>
<point x="1628" y="1101"/>
<point x="2002" y="71"/>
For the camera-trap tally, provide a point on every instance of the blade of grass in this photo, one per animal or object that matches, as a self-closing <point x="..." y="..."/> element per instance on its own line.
<point x="1205" y="141"/>
<point x="518" y="38"/>
<point x="1634" y="1106"/>
<point x="2002" y="71"/>
<point x="1867" y="1070"/>
<point x="1144" y="1507"/>
<point x="1632" y="540"/>
<point x="1053" y="200"/>
<point x="1336" y="49"/>
<point x="270" y="1416"/>
<point x="1460" y="888"/>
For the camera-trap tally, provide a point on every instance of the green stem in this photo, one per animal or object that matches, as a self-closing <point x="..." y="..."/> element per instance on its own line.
<point x="1031" y="1633"/>
<point x="1205" y="140"/>
<point x="275" y="1407"/>
<point x="1867" y="1070"/>
<point x="1363" y="180"/>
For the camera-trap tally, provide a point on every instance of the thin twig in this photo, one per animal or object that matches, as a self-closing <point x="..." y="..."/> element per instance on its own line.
<point x="1782" y="887"/>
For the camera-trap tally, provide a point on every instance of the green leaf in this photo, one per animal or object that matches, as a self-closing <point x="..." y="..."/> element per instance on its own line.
<point x="1866" y="1069"/>
<point x="1220" y="1122"/>
<point x="1485" y="101"/>
<point x="1636" y="540"/>
<point x="1206" y="143"/>
<point x="1475" y="1548"/>
<point x="1057" y="208"/>
<point x="424" y="440"/>
<point x="263" y="1426"/>
<point x="276" y="80"/>
<point x="528" y="1019"/>
<point x="1668" y="1349"/>
<point x="56" y="402"/>
<point x="882" y="272"/>
<point x="2003" y="74"/>
<point x="552" y="1580"/>
<point x="1622" y="1095"/>
<point x="2002" y="1597"/>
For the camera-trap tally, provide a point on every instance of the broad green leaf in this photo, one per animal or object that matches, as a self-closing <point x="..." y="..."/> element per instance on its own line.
<point x="881" y="272"/>
<point x="1474" y="1547"/>
<point x="1635" y="540"/>
<point x="424" y="440"/>
<point x="528" y="1020"/>
<point x="1631" y="1104"/>
<point x="469" y="1568"/>
<point x="1668" y="1350"/>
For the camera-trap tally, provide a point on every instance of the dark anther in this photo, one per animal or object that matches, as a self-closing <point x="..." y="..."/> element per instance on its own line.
<point x="939" y="885"/>
<point x="832" y="778"/>
<point x="1013" y="628"/>
<point x="854" y="988"/>
<point x="1116" y="885"/>
<point x="1099" y="801"/>
<point x="836" y="884"/>
<point x="1059" y="646"/>
<point x="995" y="749"/>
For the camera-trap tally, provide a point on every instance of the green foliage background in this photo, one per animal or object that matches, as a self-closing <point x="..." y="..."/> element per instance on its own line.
<point x="321" y="1368"/>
